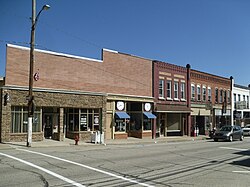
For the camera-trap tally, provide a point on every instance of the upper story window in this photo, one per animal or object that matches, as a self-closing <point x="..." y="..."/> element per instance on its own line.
<point x="161" y="88"/>
<point x="248" y="102"/>
<point x="229" y="96"/>
<point x="198" y="92"/>
<point x="244" y="98"/>
<point x="238" y="97"/>
<point x="221" y="96"/>
<point x="193" y="92"/>
<point x="204" y="93"/>
<point x="209" y="94"/>
<point x="176" y="86"/>
<point x="183" y="93"/>
<point x="234" y="100"/>
<point x="216" y="95"/>
<point x="169" y="90"/>
<point x="225" y="96"/>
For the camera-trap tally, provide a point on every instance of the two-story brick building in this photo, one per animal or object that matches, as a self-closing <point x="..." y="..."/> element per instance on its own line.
<point x="172" y="103"/>
<point x="76" y="95"/>
<point x="210" y="101"/>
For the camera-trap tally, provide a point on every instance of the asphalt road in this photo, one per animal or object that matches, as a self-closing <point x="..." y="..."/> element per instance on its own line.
<point x="192" y="163"/>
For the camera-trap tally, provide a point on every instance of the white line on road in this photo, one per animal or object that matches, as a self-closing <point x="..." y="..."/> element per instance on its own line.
<point x="241" y="171"/>
<point x="231" y="148"/>
<point x="44" y="170"/>
<point x="88" y="167"/>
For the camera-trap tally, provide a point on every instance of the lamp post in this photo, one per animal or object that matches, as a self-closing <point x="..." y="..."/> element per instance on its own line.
<point x="32" y="47"/>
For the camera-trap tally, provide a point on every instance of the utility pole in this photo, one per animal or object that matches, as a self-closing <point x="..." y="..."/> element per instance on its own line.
<point x="30" y="97"/>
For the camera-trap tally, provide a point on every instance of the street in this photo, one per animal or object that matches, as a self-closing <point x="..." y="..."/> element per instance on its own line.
<point x="188" y="163"/>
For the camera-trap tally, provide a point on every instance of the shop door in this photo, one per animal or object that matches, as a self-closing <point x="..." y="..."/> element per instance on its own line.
<point x="162" y="128"/>
<point x="47" y="123"/>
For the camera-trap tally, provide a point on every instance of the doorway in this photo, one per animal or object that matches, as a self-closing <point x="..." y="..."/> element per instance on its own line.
<point x="47" y="124"/>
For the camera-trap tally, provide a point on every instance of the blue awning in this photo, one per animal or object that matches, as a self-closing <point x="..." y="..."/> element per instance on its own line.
<point x="149" y="115"/>
<point x="122" y="115"/>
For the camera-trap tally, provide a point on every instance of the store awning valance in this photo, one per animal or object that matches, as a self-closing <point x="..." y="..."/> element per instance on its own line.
<point x="122" y="115"/>
<point x="149" y="115"/>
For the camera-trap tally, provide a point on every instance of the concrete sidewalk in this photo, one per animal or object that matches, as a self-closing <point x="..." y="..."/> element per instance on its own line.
<point x="130" y="140"/>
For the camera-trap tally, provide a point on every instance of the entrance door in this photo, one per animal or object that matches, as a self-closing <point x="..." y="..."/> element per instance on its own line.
<point x="47" y="124"/>
<point x="162" y="128"/>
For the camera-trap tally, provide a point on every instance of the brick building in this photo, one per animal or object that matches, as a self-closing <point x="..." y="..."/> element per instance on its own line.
<point x="76" y="95"/>
<point x="172" y="103"/>
<point x="210" y="101"/>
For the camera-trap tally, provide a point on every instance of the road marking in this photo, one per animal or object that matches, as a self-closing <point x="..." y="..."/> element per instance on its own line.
<point x="231" y="148"/>
<point x="44" y="170"/>
<point x="241" y="171"/>
<point x="88" y="167"/>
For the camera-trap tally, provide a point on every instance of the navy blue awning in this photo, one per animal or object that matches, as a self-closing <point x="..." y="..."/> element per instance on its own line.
<point x="122" y="115"/>
<point x="149" y="115"/>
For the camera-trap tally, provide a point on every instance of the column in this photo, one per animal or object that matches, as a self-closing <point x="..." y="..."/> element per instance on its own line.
<point x="61" y="125"/>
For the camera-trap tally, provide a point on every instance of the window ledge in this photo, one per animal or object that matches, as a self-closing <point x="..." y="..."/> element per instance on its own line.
<point x="184" y="100"/>
<point x="161" y="98"/>
<point x="169" y="99"/>
<point x="119" y="132"/>
<point x="175" y="99"/>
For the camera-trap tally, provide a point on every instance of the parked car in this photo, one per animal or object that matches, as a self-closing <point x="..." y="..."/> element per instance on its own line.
<point x="246" y="130"/>
<point x="229" y="133"/>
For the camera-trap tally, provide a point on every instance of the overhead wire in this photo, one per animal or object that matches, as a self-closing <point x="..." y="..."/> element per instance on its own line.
<point x="76" y="60"/>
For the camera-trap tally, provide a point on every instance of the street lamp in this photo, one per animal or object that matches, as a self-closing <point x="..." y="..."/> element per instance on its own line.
<point x="32" y="47"/>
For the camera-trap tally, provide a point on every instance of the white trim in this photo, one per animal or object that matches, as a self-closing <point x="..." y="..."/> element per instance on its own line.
<point x="161" y="98"/>
<point x="123" y="95"/>
<point x="54" y="53"/>
<point x="12" y="87"/>
<point x="109" y="50"/>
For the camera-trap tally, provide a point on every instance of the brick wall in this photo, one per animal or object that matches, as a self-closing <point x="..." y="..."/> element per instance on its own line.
<point x="210" y="80"/>
<point x="118" y="73"/>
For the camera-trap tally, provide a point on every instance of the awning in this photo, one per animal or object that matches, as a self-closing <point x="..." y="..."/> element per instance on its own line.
<point x="149" y="115"/>
<point x="122" y="115"/>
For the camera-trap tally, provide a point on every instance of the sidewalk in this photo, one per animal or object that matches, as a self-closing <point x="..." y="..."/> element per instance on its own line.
<point x="130" y="140"/>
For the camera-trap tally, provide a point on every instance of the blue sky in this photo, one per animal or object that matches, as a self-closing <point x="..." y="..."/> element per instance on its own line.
<point x="211" y="35"/>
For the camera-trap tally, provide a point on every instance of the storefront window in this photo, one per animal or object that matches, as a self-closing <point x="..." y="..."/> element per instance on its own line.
<point x="147" y="124"/>
<point x="19" y="120"/>
<point x="73" y="117"/>
<point x="120" y="125"/>
<point x="83" y="119"/>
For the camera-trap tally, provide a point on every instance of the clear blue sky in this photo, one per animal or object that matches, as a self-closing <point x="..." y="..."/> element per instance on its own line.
<point x="211" y="35"/>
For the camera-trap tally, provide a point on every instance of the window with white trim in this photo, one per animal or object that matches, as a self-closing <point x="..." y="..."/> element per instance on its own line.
<point x="248" y="102"/>
<point x="183" y="93"/>
<point x="176" y="86"/>
<point x="192" y="92"/>
<point x="228" y="96"/>
<point x="209" y="94"/>
<point x="216" y="95"/>
<point x="169" y="89"/>
<point x="235" y="100"/>
<point x="198" y="92"/>
<point x="204" y="93"/>
<point x="221" y="96"/>
<point x="161" y="88"/>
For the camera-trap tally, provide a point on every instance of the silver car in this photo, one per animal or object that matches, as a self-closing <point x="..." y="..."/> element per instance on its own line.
<point x="246" y="130"/>
<point x="229" y="133"/>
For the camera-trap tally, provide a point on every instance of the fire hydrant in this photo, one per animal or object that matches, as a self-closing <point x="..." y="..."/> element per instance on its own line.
<point x="76" y="139"/>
